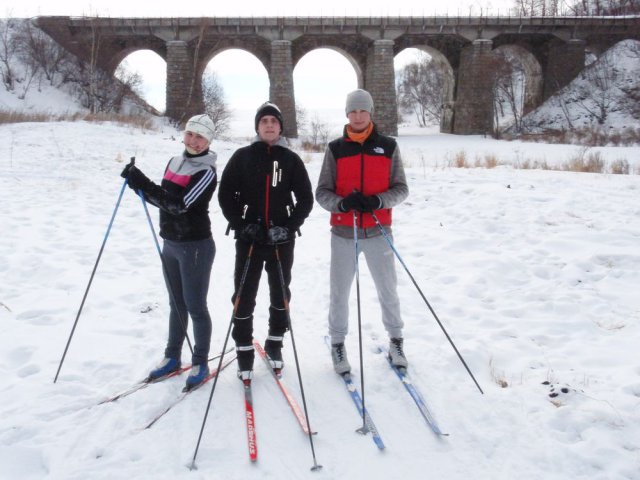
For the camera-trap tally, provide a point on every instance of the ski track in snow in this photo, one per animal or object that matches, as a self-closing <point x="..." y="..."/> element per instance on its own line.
<point x="534" y="274"/>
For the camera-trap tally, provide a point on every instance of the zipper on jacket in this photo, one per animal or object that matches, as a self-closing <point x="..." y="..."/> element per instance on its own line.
<point x="362" y="185"/>
<point x="274" y="175"/>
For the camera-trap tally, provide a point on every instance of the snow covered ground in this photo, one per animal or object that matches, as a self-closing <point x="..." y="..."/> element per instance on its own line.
<point x="533" y="273"/>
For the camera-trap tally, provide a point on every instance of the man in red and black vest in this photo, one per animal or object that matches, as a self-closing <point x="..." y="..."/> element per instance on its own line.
<point x="362" y="173"/>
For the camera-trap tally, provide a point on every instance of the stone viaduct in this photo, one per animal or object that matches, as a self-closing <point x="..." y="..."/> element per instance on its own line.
<point x="553" y="48"/>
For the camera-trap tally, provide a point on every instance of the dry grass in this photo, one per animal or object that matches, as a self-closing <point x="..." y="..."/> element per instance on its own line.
<point x="620" y="167"/>
<point x="460" y="160"/>
<point x="584" y="160"/>
<point x="498" y="378"/>
<point x="490" y="161"/>
<point x="528" y="164"/>
<point x="137" y="121"/>
<point x="591" y="137"/>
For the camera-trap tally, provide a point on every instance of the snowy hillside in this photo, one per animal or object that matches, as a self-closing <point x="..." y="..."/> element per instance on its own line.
<point x="606" y="96"/>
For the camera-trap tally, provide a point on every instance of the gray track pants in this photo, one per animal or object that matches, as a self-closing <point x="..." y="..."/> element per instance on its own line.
<point x="381" y="263"/>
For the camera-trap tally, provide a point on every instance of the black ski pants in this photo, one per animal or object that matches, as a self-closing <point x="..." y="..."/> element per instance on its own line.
<point x="263" y="256"/>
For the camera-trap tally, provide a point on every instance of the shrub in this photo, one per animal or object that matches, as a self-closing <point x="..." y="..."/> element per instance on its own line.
<point x="584" y="161"/>
<point x="460" y="160"/>
<point x="490" y="161"/>
<point x="620" y="167"/>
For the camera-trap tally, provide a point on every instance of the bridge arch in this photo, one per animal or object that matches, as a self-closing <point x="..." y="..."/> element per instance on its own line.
<point x="445" y="71"/>
<point x="121" y="51"/>
<point x="532" y="74"/>
<point x="151" y="69"/>
<point x="357" y="67"/>
<point x="330" y="73"/>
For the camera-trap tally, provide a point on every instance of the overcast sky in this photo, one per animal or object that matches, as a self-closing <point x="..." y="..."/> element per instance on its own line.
<point x="242" y="76"/>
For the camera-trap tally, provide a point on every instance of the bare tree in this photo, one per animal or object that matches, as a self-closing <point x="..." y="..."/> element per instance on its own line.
<point x="604" y="7"/>
<point x="94" y="76"/>
<point x="41" y="53"/>
<point x="214" y="103"/>
<point x="421" y="88"/>
<point x="7" y="51"/>
<point x="508" y="90"/>
<point x="319" y="133"/>
<point x="127" y="86"/>
<point x="597" y="95"/>
<point x="537" y="8"/>
<point x="301" y="118"/>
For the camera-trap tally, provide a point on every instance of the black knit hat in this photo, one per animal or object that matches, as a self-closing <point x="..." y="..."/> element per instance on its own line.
<point x="268" y="108"/>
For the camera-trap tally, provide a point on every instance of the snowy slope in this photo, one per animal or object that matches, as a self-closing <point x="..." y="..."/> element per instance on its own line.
<point x="603" y="85"/>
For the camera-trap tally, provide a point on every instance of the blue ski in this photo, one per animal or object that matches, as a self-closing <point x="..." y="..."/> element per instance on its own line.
<point x="414" y="392"/>
<point x="369" y="426"/>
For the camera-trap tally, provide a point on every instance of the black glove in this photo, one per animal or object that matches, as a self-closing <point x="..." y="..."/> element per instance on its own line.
<point x="252" y="232"/>
<point x="276" y="235"/>
<point x="135" y="178"/>
<point x="371" y="203"/>
<point x="125" y="172"/>
<point x="353" y="201"/>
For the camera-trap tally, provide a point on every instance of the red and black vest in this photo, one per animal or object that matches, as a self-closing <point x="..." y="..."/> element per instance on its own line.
<point x="365" y="168"/>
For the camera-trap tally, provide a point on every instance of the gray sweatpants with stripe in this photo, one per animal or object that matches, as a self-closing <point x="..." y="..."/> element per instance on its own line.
<point x="381" y="263"/>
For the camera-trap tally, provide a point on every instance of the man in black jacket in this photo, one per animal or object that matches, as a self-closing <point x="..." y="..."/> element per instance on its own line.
<point x="256" y="194"/>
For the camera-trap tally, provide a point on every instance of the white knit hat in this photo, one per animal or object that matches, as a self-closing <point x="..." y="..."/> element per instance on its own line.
<point x="202" y="125"/>
<point x="359" y="100"/>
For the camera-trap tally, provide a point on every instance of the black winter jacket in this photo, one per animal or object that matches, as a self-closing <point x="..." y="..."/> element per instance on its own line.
<point x="183" y="197"/>
<point x="259" y="183"/>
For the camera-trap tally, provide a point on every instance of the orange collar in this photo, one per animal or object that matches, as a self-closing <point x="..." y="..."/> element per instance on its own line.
<point x="360" y="137"/>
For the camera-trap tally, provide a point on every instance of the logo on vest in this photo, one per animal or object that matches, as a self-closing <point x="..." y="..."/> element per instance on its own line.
<point x="378" y="150"/>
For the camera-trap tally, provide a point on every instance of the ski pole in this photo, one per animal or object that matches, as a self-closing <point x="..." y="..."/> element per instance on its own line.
<point x="183" y="323"/>
<point x="236" y="303"/>
<point x="95" y="267"/>
<point x="390" y="242"/>
<point x="364" y="430"/>
<point x="295" y="356"/>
